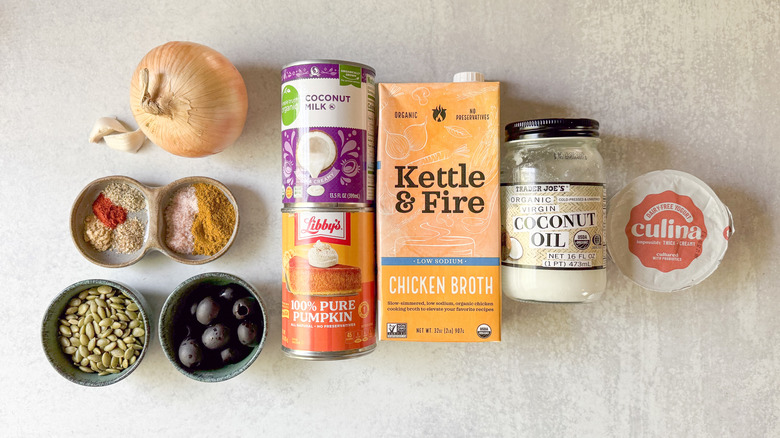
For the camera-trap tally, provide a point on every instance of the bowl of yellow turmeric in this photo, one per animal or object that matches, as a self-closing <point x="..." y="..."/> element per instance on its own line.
<point x="198" y="220"/>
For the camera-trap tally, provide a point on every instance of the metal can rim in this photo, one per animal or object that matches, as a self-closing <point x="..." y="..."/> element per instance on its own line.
<point x="324" y="209"/>
<point x="331" y="61"/>
<point x="329" y="355"/>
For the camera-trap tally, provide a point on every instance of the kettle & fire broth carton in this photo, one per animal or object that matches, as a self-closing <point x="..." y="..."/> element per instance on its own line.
<point x="438" y="212"/>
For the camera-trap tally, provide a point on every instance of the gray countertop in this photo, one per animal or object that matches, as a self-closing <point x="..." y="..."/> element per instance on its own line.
<point x="691" y="86"/>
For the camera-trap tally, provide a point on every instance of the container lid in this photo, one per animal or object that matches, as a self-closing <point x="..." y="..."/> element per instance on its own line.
<point x="468" y="76"/>
<point x="541" y="128"/>
<point x="667" y="230"/>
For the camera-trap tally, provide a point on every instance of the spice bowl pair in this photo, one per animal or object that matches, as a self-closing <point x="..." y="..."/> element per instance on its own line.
<point x="110" y="317"/>
<point x="152" y="217"/>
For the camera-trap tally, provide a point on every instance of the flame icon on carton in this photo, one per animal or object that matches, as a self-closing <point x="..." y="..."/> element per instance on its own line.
<point x="439" y="113"/>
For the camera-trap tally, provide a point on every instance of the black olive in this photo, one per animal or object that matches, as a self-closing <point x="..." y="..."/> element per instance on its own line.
<point x="208" y="310"/>
<point x="229" y="294"/>
<point x="229" y="355"/>
<point x="244" y="308"/>
<point x="190" y="353"/>
<point x="216" y="336"/>
<point x="248" y="334"/>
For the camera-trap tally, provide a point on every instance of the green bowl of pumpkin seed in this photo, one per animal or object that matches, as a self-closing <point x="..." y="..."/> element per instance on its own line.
<point x="96" y="332"/>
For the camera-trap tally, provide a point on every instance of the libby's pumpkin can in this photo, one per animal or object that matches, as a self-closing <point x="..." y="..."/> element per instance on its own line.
<point x="329" y="284"/>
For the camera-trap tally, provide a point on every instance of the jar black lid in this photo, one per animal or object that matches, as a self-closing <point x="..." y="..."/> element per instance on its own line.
<point x="542" y="128"/>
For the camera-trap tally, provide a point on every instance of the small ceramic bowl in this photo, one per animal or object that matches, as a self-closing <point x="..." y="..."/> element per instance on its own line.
<point x="153" y="218"/>
<point x="164" y="199"/>
<point x="82" y="208"/>
<point x="173" y="312"/>
<point x="61" y="361"/>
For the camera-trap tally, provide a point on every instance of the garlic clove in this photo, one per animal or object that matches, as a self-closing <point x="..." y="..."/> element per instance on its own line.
<point x="126" y="141"/>
<point x="105" y="126"/>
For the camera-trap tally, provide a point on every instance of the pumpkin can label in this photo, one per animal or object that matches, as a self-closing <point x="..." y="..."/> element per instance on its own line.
<point x="328" y="289"/>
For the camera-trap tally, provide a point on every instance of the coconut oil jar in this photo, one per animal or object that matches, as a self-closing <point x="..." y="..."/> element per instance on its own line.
<point x="553" y="210"/>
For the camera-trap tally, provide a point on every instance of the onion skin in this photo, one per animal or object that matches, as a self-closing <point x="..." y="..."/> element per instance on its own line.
<point x="197" y="101"/>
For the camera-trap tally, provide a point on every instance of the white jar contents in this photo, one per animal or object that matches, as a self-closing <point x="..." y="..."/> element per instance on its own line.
<point x="553" y="208"/>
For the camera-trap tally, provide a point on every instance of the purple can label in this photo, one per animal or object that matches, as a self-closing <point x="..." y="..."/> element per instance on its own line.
<point x="328" y="144"/>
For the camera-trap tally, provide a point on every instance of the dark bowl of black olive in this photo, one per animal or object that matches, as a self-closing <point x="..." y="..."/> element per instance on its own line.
<point x="213" y="326"/>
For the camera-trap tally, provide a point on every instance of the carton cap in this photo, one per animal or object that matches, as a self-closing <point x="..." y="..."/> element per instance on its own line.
<point x="468" y="76"/>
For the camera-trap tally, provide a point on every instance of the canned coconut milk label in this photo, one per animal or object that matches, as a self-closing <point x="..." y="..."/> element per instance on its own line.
<point x="554" y="226"/>
<point x="328" y="116"/>
<point x="328" y="291"/>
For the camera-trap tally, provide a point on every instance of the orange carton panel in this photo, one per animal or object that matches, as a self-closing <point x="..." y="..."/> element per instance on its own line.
<point x="438" y="212"/>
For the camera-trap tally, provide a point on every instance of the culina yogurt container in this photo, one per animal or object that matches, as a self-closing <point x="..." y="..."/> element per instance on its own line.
<point x="328" y="134"/>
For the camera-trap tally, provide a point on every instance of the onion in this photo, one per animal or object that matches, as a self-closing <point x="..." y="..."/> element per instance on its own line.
<point x="188" y="99"/>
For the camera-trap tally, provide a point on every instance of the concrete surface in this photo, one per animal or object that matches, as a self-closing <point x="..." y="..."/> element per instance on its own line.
<point x="685" y="85"/>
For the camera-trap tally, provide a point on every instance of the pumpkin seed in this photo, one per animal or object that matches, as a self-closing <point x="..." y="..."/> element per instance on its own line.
<point x="121" y="344"/>
<point x="102" y="312"/>
<point x="89" y="331"/>
<point x="74" y="341"/>
<point x="132" y="307"/>
<point x="82" y="309"/>
<point x="136" y="347"/>
<point x="102" y="342"/>
<point x="112" y="370"/>
<point x="132" y="360"/>
<point x="129" y="340"/>
<point x="110" y="346"/>
<point x="85" y="369"/>
<point x="64" y="341"/>
<point x="91" y="299"/>
<point x="105" y="322"/>
<point x="89" y="318"/>
<point x="83" y="294"/>
<point x="83" y="351"/>
<point x="112" y="337"/>
<point x="84" y="339"/>
<point x="115" y="361"/>
<point x="122" y="317"/>
<point x="84" y="362"/>
<point x="117" y="353"/>
<point x="134" y="323"/>
<point x="69" y="350"/>
<point x="138" y="332"/>
<point x="65" y="330"/>
<point x="94" y="357"/>
<point x="103" y="373"/>
<point x="129" y="353"/>
<point x="71" y="310"/>
<point x="92" y="344"/>
<point x="119" y="333"/>
<point x="104" y="289"/>
<point x="105" y="333"/>
<point x="116" y="325"/>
